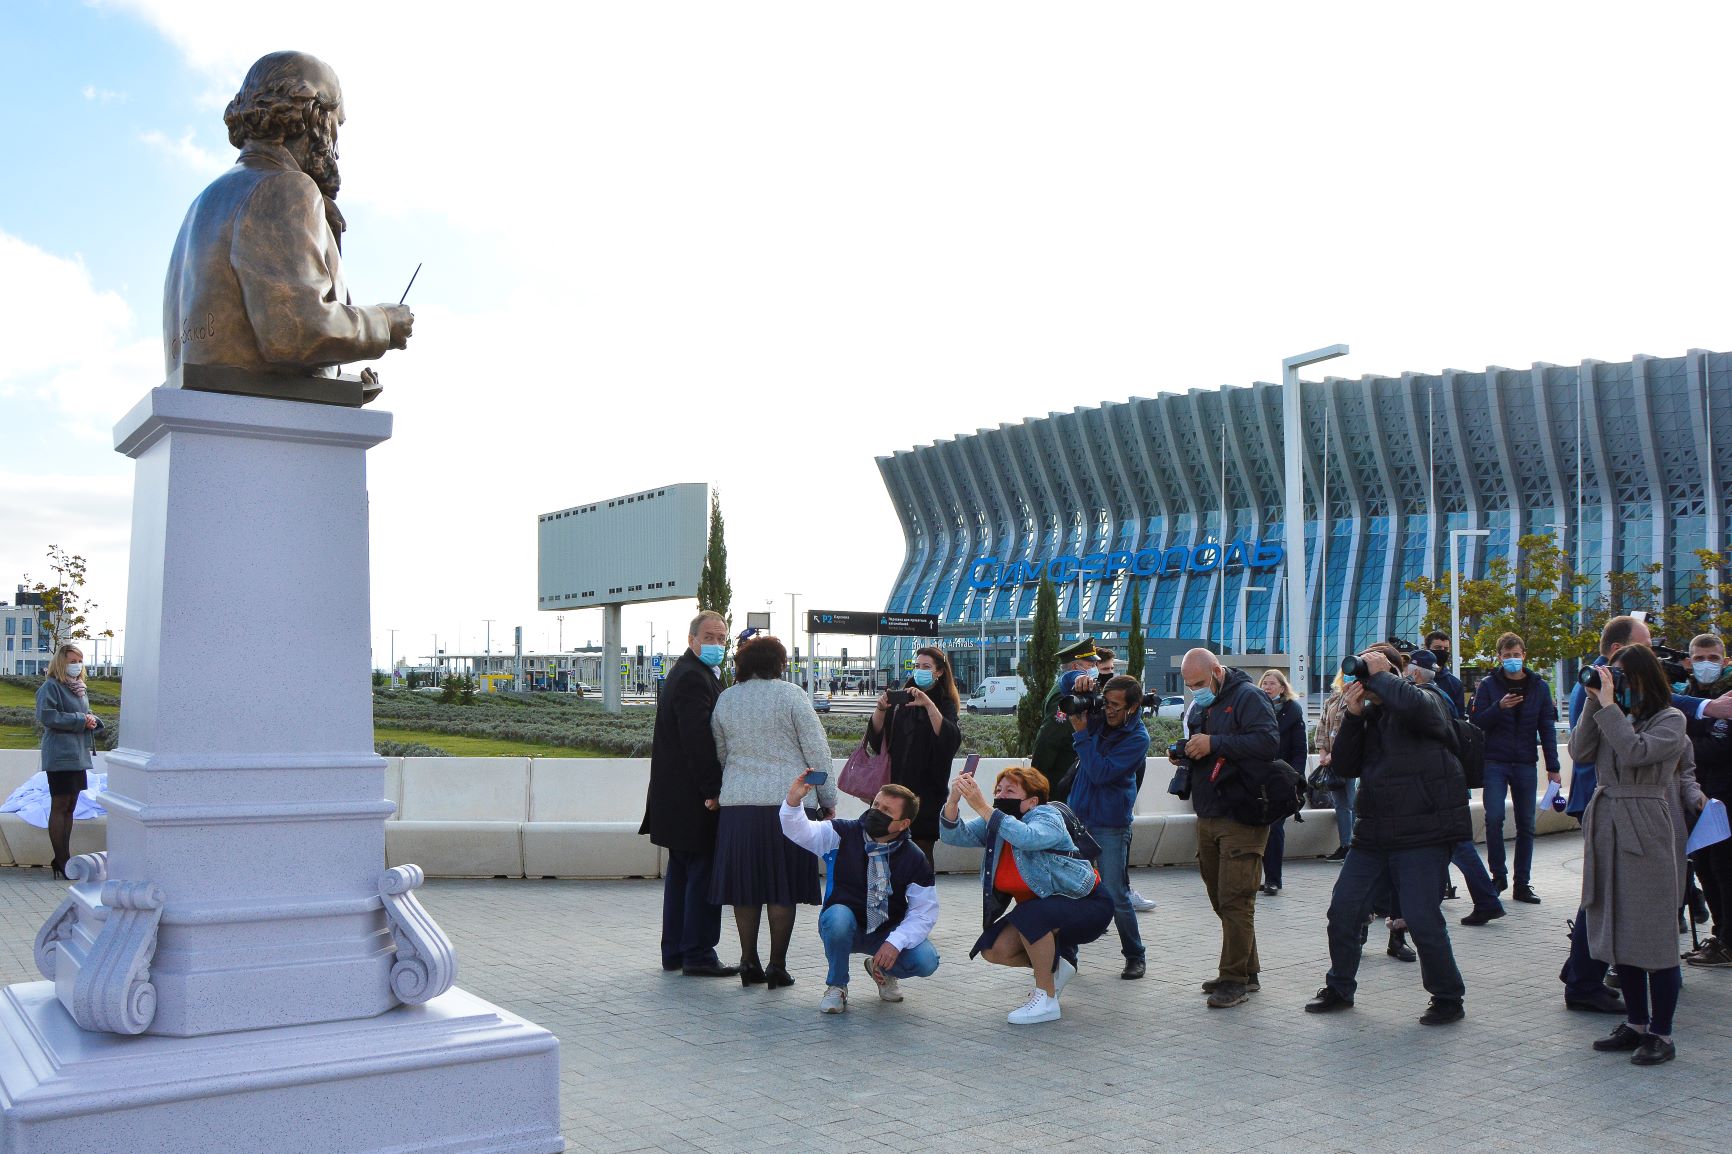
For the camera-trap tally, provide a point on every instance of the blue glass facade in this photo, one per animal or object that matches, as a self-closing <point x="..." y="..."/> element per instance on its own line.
<point x="1624" y="462"/>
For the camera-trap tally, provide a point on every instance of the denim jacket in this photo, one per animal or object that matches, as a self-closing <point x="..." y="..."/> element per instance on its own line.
<point x="65" y="742"/>
<point x="1039" y="831"/>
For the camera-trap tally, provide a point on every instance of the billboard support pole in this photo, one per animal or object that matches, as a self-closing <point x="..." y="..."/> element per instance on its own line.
<point x="610" y="657"/>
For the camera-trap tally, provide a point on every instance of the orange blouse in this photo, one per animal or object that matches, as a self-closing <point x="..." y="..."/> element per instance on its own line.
<point x="1008" y="879"/>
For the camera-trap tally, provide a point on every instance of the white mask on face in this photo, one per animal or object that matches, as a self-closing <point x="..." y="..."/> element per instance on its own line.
<point x="75" y="669"/>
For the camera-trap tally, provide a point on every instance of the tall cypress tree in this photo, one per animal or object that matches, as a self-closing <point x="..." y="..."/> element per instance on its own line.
<point x="1039" y="666"/>
<point x="1134" y="656"/>
<point x="715" y="591"/>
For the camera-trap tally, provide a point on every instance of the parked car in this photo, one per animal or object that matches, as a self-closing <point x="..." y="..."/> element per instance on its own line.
<point x="429" y="690"/>
<point x="997" y="695"/>
<point x="821" y="701"/>
<point x="1172" y="707"/>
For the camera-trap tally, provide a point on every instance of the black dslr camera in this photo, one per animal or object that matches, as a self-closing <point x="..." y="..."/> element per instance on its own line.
<point x="1355" y="667"/>
<point x="1084" y="703"/>
<point x="1673" y="664"/>
<point x="1590" y="677"/>
<point x="1176" y="751"/>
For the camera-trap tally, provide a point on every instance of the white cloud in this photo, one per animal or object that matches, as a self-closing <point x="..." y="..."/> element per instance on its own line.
<point x="186" y="151"/>
<point x="90" y="516"/>
<point x="759" y="243"/>
<point x="104" y="95"/>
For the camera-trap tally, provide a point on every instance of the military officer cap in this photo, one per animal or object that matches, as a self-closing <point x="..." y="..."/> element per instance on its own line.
<point x="1079" y="650"/>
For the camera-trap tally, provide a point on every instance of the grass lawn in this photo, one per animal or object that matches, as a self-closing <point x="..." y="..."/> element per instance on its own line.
<point x="18" y="737"/>
<point x="471" y="746"/>
<point x="21" y="698"/>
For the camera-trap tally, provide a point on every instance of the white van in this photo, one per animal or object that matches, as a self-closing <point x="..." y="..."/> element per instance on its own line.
<point x="997" y="695"/>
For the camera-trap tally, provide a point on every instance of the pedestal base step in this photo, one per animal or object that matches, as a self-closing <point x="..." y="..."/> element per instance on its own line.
<point x="455" y="1076"/>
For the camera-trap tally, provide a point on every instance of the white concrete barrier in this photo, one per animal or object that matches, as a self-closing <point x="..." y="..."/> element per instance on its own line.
<point x="578" y="818"/>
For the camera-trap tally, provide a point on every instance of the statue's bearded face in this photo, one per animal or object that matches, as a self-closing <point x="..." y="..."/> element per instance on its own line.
<point x="320" y="146"/>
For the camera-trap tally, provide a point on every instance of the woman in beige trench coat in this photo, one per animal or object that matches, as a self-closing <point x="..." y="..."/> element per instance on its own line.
<point x="1633" y="844"/>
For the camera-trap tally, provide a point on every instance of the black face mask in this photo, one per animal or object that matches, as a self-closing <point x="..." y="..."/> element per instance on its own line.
<point x="1009" y="806"/>
<point x="875" y="823"/>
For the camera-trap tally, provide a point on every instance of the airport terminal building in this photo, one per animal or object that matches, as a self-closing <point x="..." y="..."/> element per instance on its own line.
<point x="1177" y="500"/>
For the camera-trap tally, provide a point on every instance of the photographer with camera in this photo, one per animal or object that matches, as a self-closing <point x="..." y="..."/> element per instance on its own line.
<point x="1633" y="838"/>
<point x="1412" y="811"/>
<point x="1053" y="753"/>
<point x="920" y="723"/>
<point x="1514" y="707"/>
<point x="1111" y="745"/>
<point x="1231" y="723"/>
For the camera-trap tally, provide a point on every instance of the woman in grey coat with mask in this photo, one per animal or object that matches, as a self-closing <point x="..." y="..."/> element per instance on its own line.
<point x="69" y="727"/>
<point x="1633" y="843"/>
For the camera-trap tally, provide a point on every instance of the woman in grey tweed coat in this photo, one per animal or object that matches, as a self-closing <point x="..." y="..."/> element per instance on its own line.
<point x="1633" y="843"/>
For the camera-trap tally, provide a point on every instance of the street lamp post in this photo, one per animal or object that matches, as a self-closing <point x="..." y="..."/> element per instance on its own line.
<point x="1455" y="597"/>
<point x="1293" y="502"/>
<point x="393" y="634"/>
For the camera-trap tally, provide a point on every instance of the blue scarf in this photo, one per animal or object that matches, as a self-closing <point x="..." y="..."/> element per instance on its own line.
<point x="878" y="882"/>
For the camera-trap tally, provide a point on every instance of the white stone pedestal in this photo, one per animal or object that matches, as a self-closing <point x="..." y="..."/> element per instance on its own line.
<point x="243" y="913"/>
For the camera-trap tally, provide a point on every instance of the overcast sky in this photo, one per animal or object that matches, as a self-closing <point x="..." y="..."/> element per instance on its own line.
<point x="758" y="244"/>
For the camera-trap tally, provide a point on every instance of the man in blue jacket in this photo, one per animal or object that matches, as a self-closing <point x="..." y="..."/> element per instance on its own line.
<point x="1514" y="707"/>
<point x="1111" y="747"/>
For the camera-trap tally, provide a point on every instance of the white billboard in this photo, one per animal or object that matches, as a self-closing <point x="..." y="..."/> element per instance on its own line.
<point x="646" y="546"/>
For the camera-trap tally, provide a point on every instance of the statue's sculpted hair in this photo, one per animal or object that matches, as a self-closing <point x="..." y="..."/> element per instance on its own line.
<point x="280" y="99"/>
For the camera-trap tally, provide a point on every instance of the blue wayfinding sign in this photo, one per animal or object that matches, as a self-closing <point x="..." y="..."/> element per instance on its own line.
<point x="1205" y="558"/>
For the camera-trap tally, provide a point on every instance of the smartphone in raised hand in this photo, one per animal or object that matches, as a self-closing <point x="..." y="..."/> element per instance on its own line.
<point x="972" y="764"/>
<point x="816" y="776"/>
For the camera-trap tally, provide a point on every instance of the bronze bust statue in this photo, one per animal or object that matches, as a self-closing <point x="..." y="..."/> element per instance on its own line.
<point x="255" y="301"/>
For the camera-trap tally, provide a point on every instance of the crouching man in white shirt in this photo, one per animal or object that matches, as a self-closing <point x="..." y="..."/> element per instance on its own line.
<point x="880" y="900"/>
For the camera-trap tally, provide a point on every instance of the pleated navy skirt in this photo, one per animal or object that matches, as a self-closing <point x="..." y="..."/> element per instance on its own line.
<point x="756" y="865"/>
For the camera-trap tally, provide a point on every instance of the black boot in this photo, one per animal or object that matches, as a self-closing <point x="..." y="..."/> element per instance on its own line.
<point x="1398" y="947"/>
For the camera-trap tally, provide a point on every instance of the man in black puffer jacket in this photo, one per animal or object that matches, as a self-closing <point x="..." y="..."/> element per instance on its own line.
<point x="1411" y="812"/>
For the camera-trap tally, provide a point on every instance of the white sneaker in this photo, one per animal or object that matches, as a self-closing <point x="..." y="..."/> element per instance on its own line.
<point x="1040" y="1007"/>
<point x="1141" y="904"/>
<point x="1061" y="976"/>
<point x="834" y="1001"/>
<point x="889" y="989"/>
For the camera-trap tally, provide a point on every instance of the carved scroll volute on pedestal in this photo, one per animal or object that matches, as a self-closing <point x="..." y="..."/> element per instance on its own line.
<point x="89" y="867"/>
<point x="426" y="961"/>
<point x="113" y="992"/>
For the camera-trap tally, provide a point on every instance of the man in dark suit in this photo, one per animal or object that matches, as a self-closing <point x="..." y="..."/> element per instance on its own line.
<point x="680" y="812"/>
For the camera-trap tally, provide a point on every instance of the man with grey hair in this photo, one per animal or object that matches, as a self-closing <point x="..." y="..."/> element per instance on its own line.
<point x="1230" y="722"/>
<point x="680" y="812"/>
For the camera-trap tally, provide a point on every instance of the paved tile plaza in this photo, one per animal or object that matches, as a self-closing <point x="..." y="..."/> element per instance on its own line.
<point x="659" y="1062"/>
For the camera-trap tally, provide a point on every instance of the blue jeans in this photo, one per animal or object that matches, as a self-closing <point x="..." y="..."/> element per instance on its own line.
<point x="1415" y="877"/>
<point x="1115" y="864"/>
<point x="691" y="926"/>
<point x="1344" y="798"/>
<point x="1272" y="853"/>
<point x="1479" y="884"/>
<point x="842" y="937"/>
<point x="1523" y="781"/>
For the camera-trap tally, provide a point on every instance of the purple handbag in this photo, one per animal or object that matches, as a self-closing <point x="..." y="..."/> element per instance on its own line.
<point x="865" y="772"/>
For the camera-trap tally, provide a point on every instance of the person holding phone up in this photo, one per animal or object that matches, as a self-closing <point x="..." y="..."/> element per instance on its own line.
<point x="920" y="720"/>
<point x="882" y="901"/>
<point x="1514" y="707"/>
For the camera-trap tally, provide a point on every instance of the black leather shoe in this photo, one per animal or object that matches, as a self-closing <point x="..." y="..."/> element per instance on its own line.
<point x="1399" y="949"/>
<point x="1526" y="894"/>
<point x="1134" y="969"/>
<point x="1340" y="854"/>
<point x="1653" y="1051"/>
<point x="713" y="970"/>
<point x="1441" y="1012"/>
<point x="1481" y="916"/>
<point x="1601" y="1001"/>
<point x="1449" y="893"/>
<point x="1622" y="1038"/>
<point x="1326" y="1001"/>
<point x="1268" y="891"/>
<point x="1499" y="882"/>
<point x="775" y="977"/>
<point x="751" y="974"/>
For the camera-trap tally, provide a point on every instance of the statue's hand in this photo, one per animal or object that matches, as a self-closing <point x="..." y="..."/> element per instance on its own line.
<point x="402" y="324"/>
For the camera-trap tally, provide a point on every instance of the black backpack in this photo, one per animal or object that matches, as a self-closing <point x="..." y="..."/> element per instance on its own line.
<point x="1467" y="742"/>
<point x="1087" y="847"/>
<point x="1260" y="792"/>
